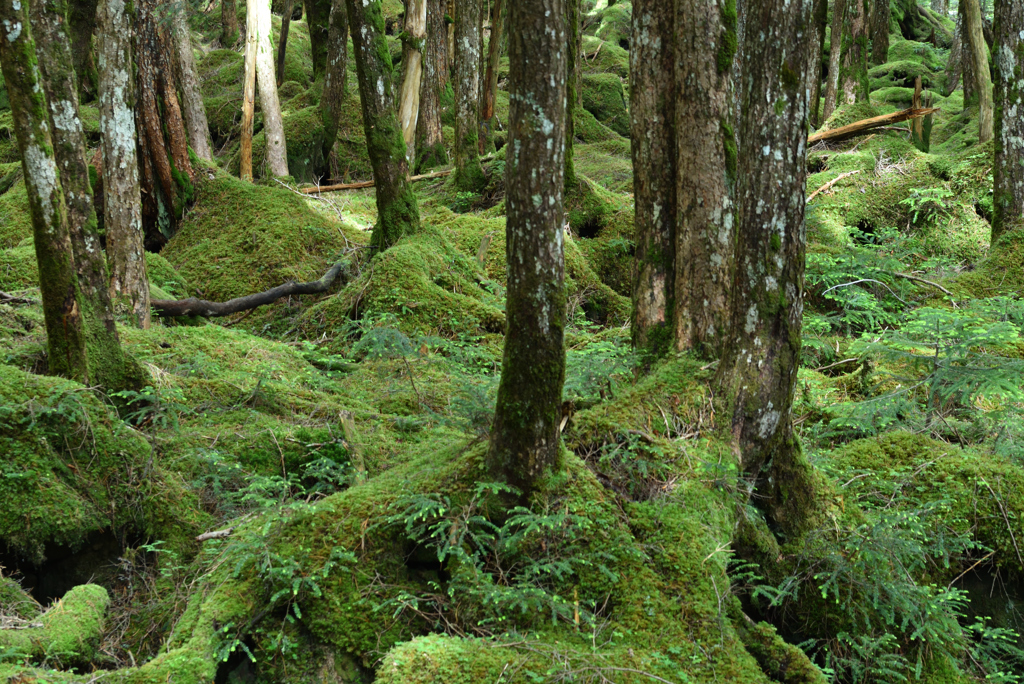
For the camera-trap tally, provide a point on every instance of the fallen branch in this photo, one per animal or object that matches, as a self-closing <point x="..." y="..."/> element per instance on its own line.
<point x="922" y="280"/>
<point x="832" y="182"/>
<point x="173" y="308"/>
<point x="218" y="534"/>
<point x="369" y="184"/>
<point x="6" y="298"/>
<point x="865" y="125"/>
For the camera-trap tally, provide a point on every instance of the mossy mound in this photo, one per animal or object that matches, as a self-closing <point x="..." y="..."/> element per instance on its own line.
<point x="604" y="97"/>
<point x="903" y="74"/>
<point x="164" y="276"/>
<point x="18" y="268"/>
<point x="603" y="57"/>
<point x="614" y="24"/>
<point x="66" y="635"/>
<point x="15" y="219"/>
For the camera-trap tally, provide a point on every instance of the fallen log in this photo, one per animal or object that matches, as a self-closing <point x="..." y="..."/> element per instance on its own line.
<point x="357" y="185"/>
<point x="865" y="125"/>
<point x="173" y="308"/>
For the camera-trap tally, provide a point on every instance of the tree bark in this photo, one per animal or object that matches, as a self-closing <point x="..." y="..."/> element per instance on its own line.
<point x="977" y="50"/>
<point x="573" y="90"/>
<point x="489" y="85"/>
<point x="941" y="6"/>
<point x="818" y="24"/>
<point x="835" y="58"/>
<point x="282" y="46"/>
<point x="525" y="437"/>
<point x="270" y="106"/>
<point x="81" y="18"/>
<point x="248" y="97"/>
<point x="469" y="174"/>
<point x="430" y="150"/>
<point x="1008" y="53"/>
<point x="58" y="284"/>
<point x="968" y="78"/>
<point x="318" y="18"/>
<point x="229" y="23"/>
<point x="954" y="66"/>
<point x="880" y="16"/>
<point x="193" y="109"/>
<point x="652" y="107"/>
<point x="122" y="202"/>
<point x="397" y="210"/>
<point x="412" y="63"/>
<point x="105" y="359"/>
<point x="757" y="374"/>
<point x="854" y="76"/>
<point x="336" y="75"/>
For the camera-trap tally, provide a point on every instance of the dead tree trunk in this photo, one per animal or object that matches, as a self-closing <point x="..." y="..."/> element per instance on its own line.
<point x="489" y="86"/>
<point x="880" y="17"/>
<point x="835" y="59"/>
<point x="977" y="50"/>
<point x="469" y="174"/>
<point x="229" y="23"/>
<point x="430" y="150"/>
<point x="270" y="106"/>
<point x="412" y="63"/>
<point x="336" y="75"/>
<point x="1008" y="53"/>
<point x="193" y="109"/>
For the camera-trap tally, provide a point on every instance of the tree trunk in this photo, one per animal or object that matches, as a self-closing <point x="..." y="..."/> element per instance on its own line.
<point x="490" y="82"/>
<point x="270" y="106"/>
<point x="818" y="24"/>
<point x="1008" y="30"/>
<point x="248" y="97"/>
<point x="954" y="66"/>
<point x="854" y="75"/>
<point x="412" y="63"/>
<point x="193" y="109"/>
<point x="103" y="348"/>
<point x="573" y="91"/>
<point x="880" y="17"/>
<point x="318" y="18"/>
<point x="336" y="76"/>
<point x="58" y="284"/>
<point x="757" y="375"/>
<point x="397" y="210"/>
<point x="122" y="202"/>
<point x="941" y="6"/>
<point x="970" y="82"/>
<point x="835" y="58"/>
<point x="977" y="49"/>
<point x="81" y="18"/>
<point x="469" y="175"/>
<point x="282" y="46"/>
<point x="430" y="150"/>
<point x="652" y="107"/>
<point x="525" y="436"/>
<point x="229" y="23"/>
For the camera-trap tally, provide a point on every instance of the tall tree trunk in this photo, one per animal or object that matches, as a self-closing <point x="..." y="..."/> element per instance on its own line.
<point x="104" y="356"/>
<point x="854" y="75"/>
<point x="248" y="97"/>
<point x="573" y="90"/>
<point x="336" y="76"/>
<point x="430" y="150"/>
<point x="880" y="16"/>
<point x="490" y="82"/>
<point x="977" y="49"/>
<point x="412" y="63"/>
<point x="818" y="24"/>
<point x="469" y="175"/>
<point x="229" y="23"/>
<point x="398" y="213"/>
<point x="58" y="284"/>
<point x="270" y="106"/>
<point x="193" y="109"/>
<point x="1008" y="53"/>
<point x="705" y="174"/>
<point x="970" y="82"/>
<point x="122" y="202"/>
<point x="81" y="18"/>
<point x="835" y="58"/>
<point x="318" y="18"/>
<point x="757" y="375"/>
<point x="282" y="46"/>
<point x="525" y="438"/>
<point x="652" y="107"/>
<point x="954" y="66"/>
<point x="941" y="6"/>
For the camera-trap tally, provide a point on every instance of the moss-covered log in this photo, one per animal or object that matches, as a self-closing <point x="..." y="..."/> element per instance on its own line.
<point x="68" y="633"/>
<point x="1008" y="54"/>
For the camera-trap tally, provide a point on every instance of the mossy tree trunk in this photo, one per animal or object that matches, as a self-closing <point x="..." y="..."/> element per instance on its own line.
<point x="967" y="77"/>
<point x="469" y="174"/>
<point x="489" y="86"/>
<point x="430" y="150"/>
<point x="81" y="19"/>
<point x="397" y="210"/>
<point x="270" y="106"/>
<point x="835" y="59"/>
<point x="573" y="91"/>
<point x="122" y="201"/>
<point x="318" y="19"/>
<point x="853" y="79"/>
<point x="58" y="283"/>
<point x="525" y="437"/>
<point x="1008" y="53"/>
<point x="105" y="358"/>
<point x="880" y="16"/>
<point x="336" y="75"/>
<point x="413" y="38"/>
<point x="229" y="23"/>
<point x="954" y="65"/>
<point x="756" y="377"/>
<point x="818" y="25"/>
<point x="977" y="51"/>
<point x="192" y="107"/>
<point x="282" y="45"/>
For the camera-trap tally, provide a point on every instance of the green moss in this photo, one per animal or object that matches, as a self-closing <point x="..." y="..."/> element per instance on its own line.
<point x="15" y="220"/>
<point x="18" y="268"/>
<point x="614" y="26"/>
<point x="604" y="57"/>
<point x="164" y="276"/>
<point x="69" y="631"/>
<point x="603" y="96"/>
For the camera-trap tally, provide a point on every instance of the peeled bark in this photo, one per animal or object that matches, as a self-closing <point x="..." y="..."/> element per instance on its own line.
<point x="835" y="59"/>
<point x="397" y="210"/>
<point x="229" y="23"/>
<point x="248" y="97"/>
<point x="282" y="45"/>
<point x="818" y="24"/>
<point x="430" y="150"/>
<point x="412" y="63"/>
<point x="853" y="79"/>
<point x="58" y="284"/>
<point x="193" y="109"/>
<point x="336" y="76"/>
<point x="273" y="125"/>
<point x="105" y="360"/>
<point x="122" y="202"/>
<point x="880" y="16"/>
<point x="977" y="50"/>
<point x="318" y="18"/>
<point x="1008" y="54"/>
<point x="525" y="436"/>
<point x="756" y="378"/>
<point x="489" y="85"/>
<point x="469" y="174"/>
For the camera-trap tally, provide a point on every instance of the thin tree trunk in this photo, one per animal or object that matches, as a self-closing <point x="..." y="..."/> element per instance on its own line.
<point x="398" y="213"/>
<point x="282" y="46"/>
<point x="818" y="25"/>
<point x="854" y="76"/>
<point x="940" y="6"/>
<point x="193" y="109"/>
<point x="122" y="202"/>
<point x="336" y="76"/>
<point x="490" y="82"/>
<point x="430" y="150"/>
<point x="757" y="374"/>
<point x="412" y="64"/>
<point x="880" y="16"/>
<point x="652" y="106"/>
<point x="469" y="174"/>
<point x="525" y="439"/>
<point x="58" y="284"/>
<point x="977" y="49"/>
<point x="81" y="21"/>
<point x="835" y="58"/>
<point x="954" y="66"/>
<point x="270" y="106"/>
<point x="318" y="17"/>
<point x="970" y="83"/>
<point x="229" y="23"/>
<point x="1008" y="53"/>
<point x="104" y="356"/>
<point x="573" y="90"/>
<point x="248" y="96"/>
